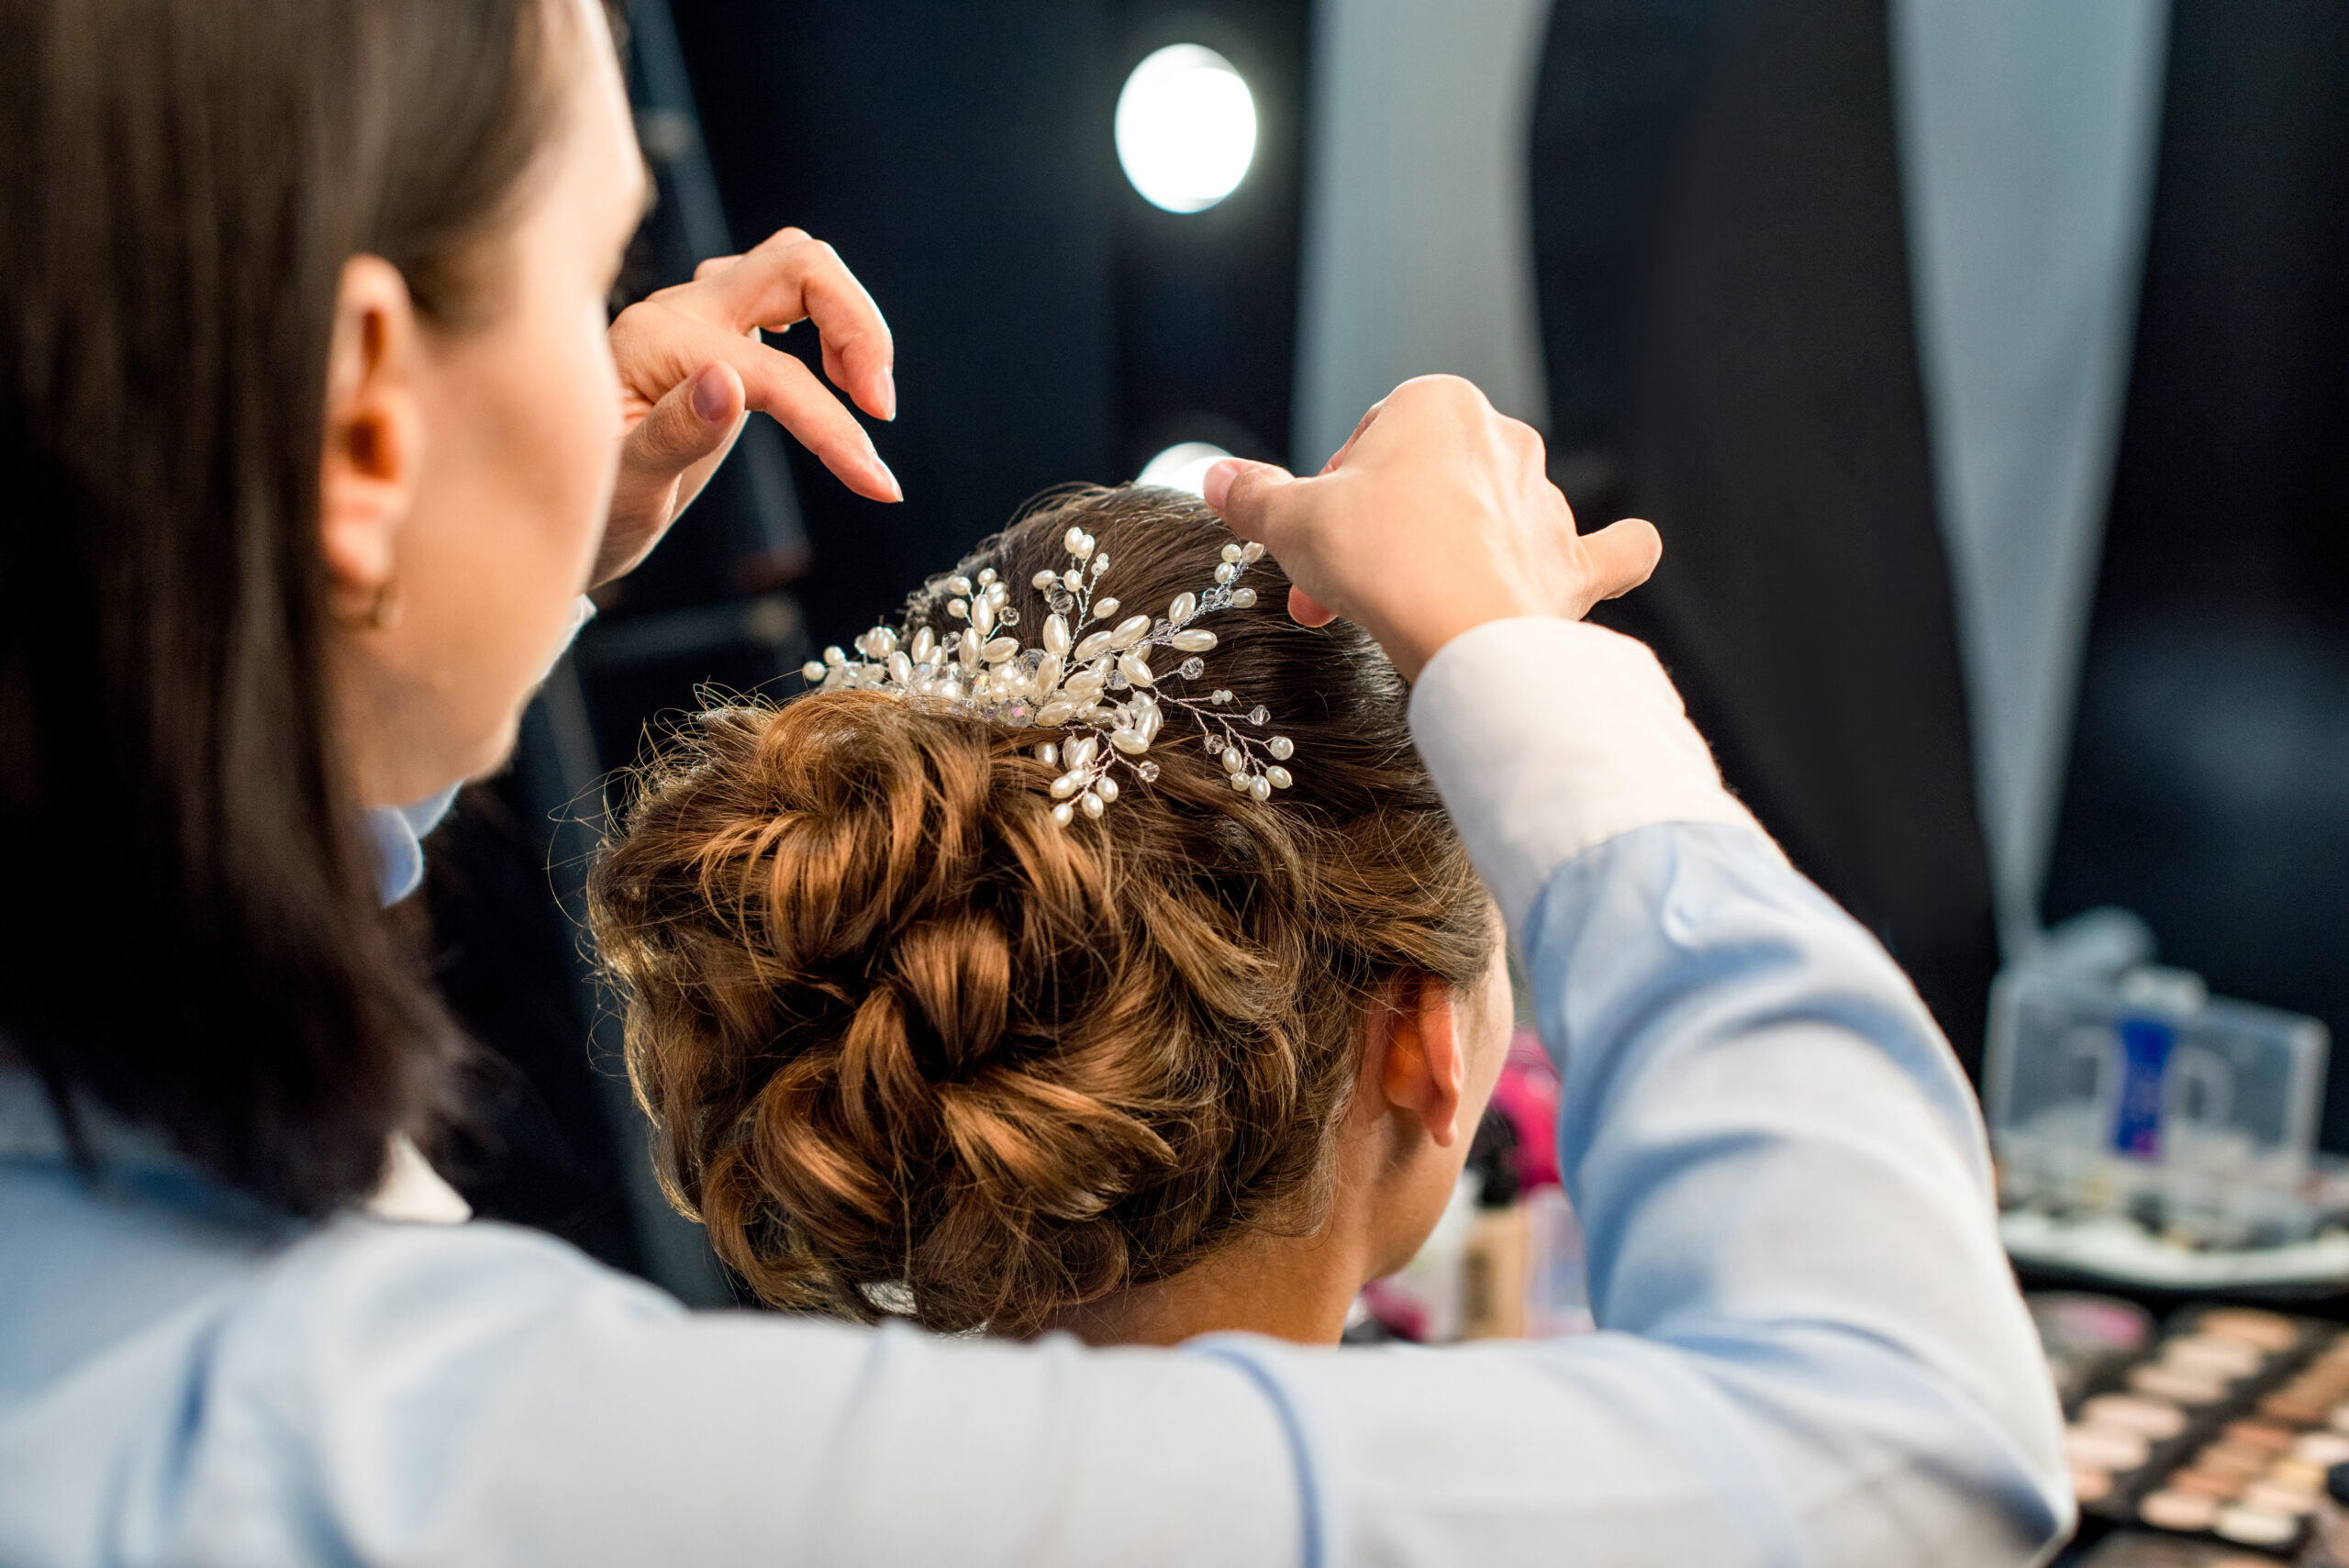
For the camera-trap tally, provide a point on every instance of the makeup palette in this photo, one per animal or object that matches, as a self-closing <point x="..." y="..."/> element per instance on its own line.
<point x="2221" y="1427"/>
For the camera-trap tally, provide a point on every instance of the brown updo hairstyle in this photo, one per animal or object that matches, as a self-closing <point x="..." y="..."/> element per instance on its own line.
<point x="907" y="1040"/>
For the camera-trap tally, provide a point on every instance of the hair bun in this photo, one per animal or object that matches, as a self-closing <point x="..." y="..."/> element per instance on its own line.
<point x="906" y="1038"/>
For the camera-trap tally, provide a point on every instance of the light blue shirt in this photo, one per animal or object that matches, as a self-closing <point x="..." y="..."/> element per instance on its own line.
<point x="1811" y="1349"/>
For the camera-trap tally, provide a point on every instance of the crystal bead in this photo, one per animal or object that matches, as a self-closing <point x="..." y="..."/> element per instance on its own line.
<point x="1062" y="812"/>
<point x="1018" y="713"/>
<point x="1008" y="616"/>
<point x="1218" y="695"/>
<point x="1259" y="789"/>
<point x="1279" y="775"/>
<point x="1117" y="682"/>
<point x="1100" y="564"/>
<point x="1105" y="607"/>
<point x="1258" y="714"/>
<point x="1059" y="599"/>
<point x="1281" y="746"/>
<point x="1184" y="606"/>
<point x="1242" y="598"/>
<point x="1147" y="771"/>
<point x="1190" y="669"/>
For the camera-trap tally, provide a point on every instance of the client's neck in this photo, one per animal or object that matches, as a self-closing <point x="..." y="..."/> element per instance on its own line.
<point x="1293" y="1287"/>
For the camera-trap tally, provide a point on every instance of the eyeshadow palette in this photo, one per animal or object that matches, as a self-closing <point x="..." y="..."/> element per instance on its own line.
<point x="2136" y="1549"/>
<point x="2223" y="1429"/>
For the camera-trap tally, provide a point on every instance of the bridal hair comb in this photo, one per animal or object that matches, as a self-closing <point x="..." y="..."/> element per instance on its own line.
<point x="1091" y="673"/>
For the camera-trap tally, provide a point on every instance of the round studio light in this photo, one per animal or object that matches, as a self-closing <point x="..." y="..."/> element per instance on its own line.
<point x="1186" y="128"/>
<point x="1183" y="466"/>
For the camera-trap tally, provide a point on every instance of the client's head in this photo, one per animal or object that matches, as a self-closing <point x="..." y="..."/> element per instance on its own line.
<point x="1201" y="1060"/>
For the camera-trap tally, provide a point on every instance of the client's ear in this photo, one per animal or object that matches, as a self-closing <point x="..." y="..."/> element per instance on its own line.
<point x="367" y="471"/>
<point x="1422" y="1069"/>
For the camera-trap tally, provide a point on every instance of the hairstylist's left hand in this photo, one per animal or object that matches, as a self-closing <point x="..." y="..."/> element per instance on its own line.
<point x="692" y="366"/>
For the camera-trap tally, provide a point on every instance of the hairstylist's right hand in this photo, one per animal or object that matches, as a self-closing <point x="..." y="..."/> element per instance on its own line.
<point x="1435" y="516"/>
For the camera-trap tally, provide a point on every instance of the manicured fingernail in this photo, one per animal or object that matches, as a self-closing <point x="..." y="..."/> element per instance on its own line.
<point x="888" y="394"/>
<point x="712" y="397"/>
<point x="896" y="491"/>
<point x="1217" y="483"/>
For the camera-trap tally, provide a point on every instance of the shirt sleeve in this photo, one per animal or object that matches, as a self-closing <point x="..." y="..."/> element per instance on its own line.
<point x="1811" y="1349"/>
<point x="1809" y="1352"/>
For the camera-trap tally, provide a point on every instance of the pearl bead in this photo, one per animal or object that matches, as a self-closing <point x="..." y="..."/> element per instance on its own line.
<point x="1085" y="686"/>
<point x="1130" y="631"/>
<point x="1048" y="674"/>
<point x="834" y="657"/>
<point x="812" y="670"/>
<point x="1066" y="785"/>
<point x="986" y="576"/>
<point x="1251" y="552"/>
<point x="1092" y="647"/>
<point x="1232" y="761"/>
<point x="1043" y="580"/>
<point x="1280" y="777"/>
<point x="1230" y="552"/>
<point x="925" y="646"/>
<point x="1183" y="607"/>
<point x="1092" y="804"/>
<point x="1133" y="743"/>
<point x="1057" y="712"/>
<point x="1194" y="640"/>
<point x="1073" y="579"/>
<point x="1048" y="754"/>
<point x="901" y="669"/>
<point x="958" y="584"/>
<point x="1105" y="607"/>
<point x="1281" y="746"/>
<point x="1100" y="564"/>
<point x="957" y="609"/>
<point x="1226" y="573"/>
<point x="1259" y="789"/>
<point x="1056" y="638"/>
<point x="1078" y="545"/>
<point x="1082" y="751"/>
<point x="1239" y="784"/>
<point x="983" y="615"/>
<point x="998" y="650"/>
<point x="1106" y="787"/>
<point x="1243" y="598"/>
<point x="1131" y="666"/>
<point x="1061" y="813"/>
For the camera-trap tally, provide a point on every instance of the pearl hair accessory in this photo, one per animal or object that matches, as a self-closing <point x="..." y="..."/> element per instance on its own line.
<point x="1098" y="680"/>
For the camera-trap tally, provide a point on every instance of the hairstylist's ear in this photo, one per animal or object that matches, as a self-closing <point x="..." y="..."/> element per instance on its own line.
<point x="1423" y="1070"/>
<point x="367" y="471"/>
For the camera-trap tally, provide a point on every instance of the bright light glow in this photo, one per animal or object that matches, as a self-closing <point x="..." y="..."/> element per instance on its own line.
<point x="1186" y="128"/>
<point x="1183" y="466"/>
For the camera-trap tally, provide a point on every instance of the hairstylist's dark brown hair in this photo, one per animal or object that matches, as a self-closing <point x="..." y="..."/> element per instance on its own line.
<point x="191" y="935"/>
<point x="899" y="1030"/>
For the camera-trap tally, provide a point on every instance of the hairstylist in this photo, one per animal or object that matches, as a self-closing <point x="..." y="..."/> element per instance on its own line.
<point x="307" y="435"/>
